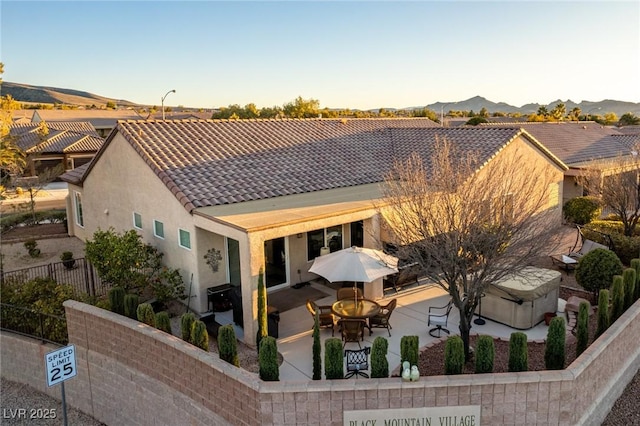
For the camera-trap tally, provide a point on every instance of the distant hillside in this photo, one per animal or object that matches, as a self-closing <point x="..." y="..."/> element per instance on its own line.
<point x="54" y="95"/>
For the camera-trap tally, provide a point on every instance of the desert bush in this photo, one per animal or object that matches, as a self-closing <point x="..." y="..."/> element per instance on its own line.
<point x="317" y="349"/>
<point x="131" y="302"/>
<point x="629" y="281"/>
<point x="199" y="335"/>
<point x="32" y="247"/>
<point x="582" y="333"/>
<point x="186" y="322"/>
<point x="228" y="345"/>
<point x="603" y="313"/>
<point x="453" y="355"/>
<point x="379" y="362"/>
<point x="146" y="315"/>
<point x="268" y="359"/>
<point x="409" y="349"/>
<point x="485" y="354"/>
<point x="163" y="322"/>
<point x="518" y="352"/>
<point x="596" y="269"/>
<point x="116" y="300"/>
<point x="617" y="298"/>
<point x="626" y="248"/>
<point x="582" y="210"/>
<point x="554" y="354"/>
<point x="333" y="362"/>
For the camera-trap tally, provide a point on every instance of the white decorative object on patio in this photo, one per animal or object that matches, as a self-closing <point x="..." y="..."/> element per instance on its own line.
<point x="355" y="264"/>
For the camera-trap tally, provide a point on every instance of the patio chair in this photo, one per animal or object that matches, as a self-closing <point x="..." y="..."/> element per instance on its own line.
<point x="357" y="361"/>
<point x="381" y="320"/>
<point x="438" y="316"/>
<point x="349" y="293"/>
<point x="325" y="317"/>
<point x="352" y="330"/>
<point x="587" y="245"/>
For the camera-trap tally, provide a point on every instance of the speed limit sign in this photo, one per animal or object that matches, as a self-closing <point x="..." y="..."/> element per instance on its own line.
<point x="61" y="365"/>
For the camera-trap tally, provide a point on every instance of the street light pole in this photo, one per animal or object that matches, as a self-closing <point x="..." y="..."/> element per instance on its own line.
<point x="442" y="114"/>
<point x="162" y="101"/>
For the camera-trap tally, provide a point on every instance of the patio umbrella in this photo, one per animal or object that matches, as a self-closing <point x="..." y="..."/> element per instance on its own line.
<point x="355" y="264"/>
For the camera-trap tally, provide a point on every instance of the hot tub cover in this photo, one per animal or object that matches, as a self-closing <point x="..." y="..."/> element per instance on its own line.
<point x="528" y="284"/>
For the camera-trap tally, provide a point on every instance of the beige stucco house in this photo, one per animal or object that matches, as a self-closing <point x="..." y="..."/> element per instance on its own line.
<point x="266" y="193"/>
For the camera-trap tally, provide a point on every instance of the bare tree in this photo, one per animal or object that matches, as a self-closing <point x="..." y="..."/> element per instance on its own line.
<point x="469" y="224"/>
<point x="618" y="189"/>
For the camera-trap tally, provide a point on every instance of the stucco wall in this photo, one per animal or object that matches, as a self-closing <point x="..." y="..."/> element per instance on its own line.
<point x="171" y="382"/>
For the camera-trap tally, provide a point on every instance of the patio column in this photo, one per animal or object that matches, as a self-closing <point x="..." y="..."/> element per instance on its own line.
<point x="250" y="266"/>
<point x="374" y="289"/>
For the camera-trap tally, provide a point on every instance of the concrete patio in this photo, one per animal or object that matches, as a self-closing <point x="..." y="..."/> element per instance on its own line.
<point x="409" y="318"/>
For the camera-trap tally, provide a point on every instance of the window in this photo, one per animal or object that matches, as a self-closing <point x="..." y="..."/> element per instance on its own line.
<point x="137" y="220"/>
<point x="328" y="237"/>
<point x="184" y="239"/>
<point x="158" y="229"/>
<point x="78" y="207"/>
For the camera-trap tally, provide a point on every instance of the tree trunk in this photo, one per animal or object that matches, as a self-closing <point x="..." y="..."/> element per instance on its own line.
<point x="465" y="330"/>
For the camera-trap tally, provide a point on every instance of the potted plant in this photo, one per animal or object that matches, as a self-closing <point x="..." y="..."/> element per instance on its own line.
<point x="67" y="259"/>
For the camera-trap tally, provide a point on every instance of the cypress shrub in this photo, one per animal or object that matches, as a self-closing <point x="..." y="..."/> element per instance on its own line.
<point x="268" y="359"/>
<point x="163" y="322"/>
<point x="146" y="315"/>
<point x="582" y="333"/>
<point x="629" y="280"/>
<point x="518" y="352"/>
<point x="409" y="349"/>
<point x="228" y="345"/>
<point x="262" y="310"/>
<point x="603" y="313"/>
<point x="333" y="363"/>
<point x="554" y="353"/>
<point x="485" y="354"/>
<point x="454" y="355"/>
<point x="596" y="269"/>
<point x="617" y="298"/>
<point x="199" y="335"/>
<point x="317" y="349"/>
<point x="131" y="305"/>
<point x="116" y="299"/>
<point x="186" y="322"/>
<point x="379" y="362"/>
<point x="635" y="264"/>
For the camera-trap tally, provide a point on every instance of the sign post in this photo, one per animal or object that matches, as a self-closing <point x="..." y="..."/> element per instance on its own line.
<point x="61" y="365"/>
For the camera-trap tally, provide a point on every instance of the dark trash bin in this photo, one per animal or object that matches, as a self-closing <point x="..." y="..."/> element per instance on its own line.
<point x="273" y="318"/>
<point x="235" y="297"/>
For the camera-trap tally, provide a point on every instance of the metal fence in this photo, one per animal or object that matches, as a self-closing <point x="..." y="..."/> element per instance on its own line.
<point x="27" y="322"/>
<point x="82" y="276"/>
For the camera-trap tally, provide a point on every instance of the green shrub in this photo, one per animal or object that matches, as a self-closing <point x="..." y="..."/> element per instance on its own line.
<point x="146" y="315"/>
<point x="582" y="333"/>
<point x="629" y="279"/>
<point x="199" y="335"/>
<point x="596" y="269"/>
<point x="333" y="362"/>
<point x="635" y="264"/>
<point x="163" y="322"/>
<point x="268" y="360"/>
<point x="617" y="298"/>
<point x="409" y="349"/>
<point x="518" y="352"/>
<point x="116" y="299"/>
<point x="131" y="305"/>
<point x="228" y="345"/>
<point x="317" y="349"/>
<point x="186" y="322"/>
<point x="453" y="355"/>
<point x="626" y="248"/>
<point x="32" y="247"/>
<point x="582" y="210"/>
<point x="603" y="312"/>
<point x="485" y="354"/>
<point x="263" y="330"/>
<point x="554" y="354"/>
<point x="379" y="362"/>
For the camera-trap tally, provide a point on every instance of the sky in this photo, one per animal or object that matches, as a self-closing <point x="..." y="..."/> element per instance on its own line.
<point x="345" y="54"/>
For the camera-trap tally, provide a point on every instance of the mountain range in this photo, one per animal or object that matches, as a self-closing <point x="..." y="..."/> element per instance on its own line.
<point x="50" y="95"/>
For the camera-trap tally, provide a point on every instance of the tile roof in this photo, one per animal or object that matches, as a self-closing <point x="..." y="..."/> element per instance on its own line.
<point x="575" y="142"/>
<point x="63" y="137"/>
<point x="216" y="162"/>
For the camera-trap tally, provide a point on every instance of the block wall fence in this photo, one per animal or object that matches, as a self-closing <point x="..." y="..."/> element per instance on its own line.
<point x="129" y="373"/>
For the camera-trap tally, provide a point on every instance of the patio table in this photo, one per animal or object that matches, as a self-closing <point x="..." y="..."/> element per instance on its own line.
<point x="352" y="309"/>
<point x="565" y="262"/>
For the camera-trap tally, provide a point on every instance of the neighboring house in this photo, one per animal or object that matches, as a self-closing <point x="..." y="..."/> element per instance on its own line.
<point x="265" y="193"/>
<point x="47" y="145"/>
<point x="581" y="145"/>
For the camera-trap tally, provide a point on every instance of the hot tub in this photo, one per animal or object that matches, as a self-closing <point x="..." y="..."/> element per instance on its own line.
<point x="520" y="301"/>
